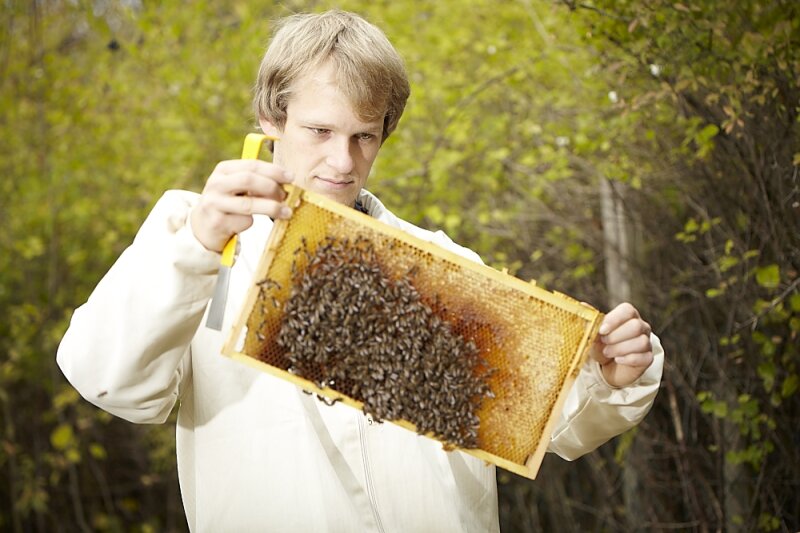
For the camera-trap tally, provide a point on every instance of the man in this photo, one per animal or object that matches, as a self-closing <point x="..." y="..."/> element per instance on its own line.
<point x="255" y="453"/>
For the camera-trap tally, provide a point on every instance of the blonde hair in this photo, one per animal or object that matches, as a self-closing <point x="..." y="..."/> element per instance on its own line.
<point x="370" y="72"/>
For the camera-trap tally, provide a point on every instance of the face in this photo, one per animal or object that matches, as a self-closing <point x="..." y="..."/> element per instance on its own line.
<point x="324" y="144"/>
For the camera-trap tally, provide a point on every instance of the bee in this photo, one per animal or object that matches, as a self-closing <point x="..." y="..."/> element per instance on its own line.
<point x="326" y="401"/>
<point x="348" y="325"/>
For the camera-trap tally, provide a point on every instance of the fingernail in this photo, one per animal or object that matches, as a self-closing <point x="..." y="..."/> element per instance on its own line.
<point x="286" y="212"/>
<point x="603" y="329"/>
<point x="288" y="175"/>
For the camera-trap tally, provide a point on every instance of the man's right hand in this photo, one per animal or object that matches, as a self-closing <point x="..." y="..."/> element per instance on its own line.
<point x="235" y="191"/>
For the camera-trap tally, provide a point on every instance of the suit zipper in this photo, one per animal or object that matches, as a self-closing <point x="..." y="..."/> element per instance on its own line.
<point x="362" y="435"/>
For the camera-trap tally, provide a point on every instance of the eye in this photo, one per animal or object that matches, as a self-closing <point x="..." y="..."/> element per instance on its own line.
<point x="365" y="137"/>
<point x="319" y="131"/>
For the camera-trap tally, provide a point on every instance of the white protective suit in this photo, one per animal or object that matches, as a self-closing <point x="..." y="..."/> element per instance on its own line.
<point x="254" y="452"/>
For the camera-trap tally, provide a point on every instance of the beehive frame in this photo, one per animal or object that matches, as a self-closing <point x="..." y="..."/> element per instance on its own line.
<point x="530" y="388"/>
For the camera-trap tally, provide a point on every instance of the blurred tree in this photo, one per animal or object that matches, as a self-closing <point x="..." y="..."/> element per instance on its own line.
<point x="104" y="105"/>
<point x="520" y="111"/>
<point x="722" y="101"/>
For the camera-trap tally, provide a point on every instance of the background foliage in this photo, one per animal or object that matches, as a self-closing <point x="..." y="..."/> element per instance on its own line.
<point x="520" y="111"/>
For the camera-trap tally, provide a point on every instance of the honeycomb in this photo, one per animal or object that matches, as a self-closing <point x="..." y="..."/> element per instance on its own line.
<point x="514" y="348"/>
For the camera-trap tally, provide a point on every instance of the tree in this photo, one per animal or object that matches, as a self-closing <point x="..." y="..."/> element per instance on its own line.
<point x="519" y="111"/>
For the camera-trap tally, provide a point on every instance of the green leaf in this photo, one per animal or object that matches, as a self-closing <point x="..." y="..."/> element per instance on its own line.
<point x="794" y="302"/>
<point x="707" y="133"/>
<point x="728" y="246"/>
<point x="790" y="385"/>
<point x="727" y="262"/>
<point x="624" y="443"/>
<point x="713" y="293"/>
<point x="708" y="405"/>
<point x="32" y="247"/>
<point x="749" y="254"/>
<point x="73" y="455"/>
<point x="729" y="341"/>
<point x="62" y="437"/>
<point x="768" y="522"/>
<point x="769" y="276"/>
<point x="705" y="140"/>
<point x="97" y="451"/>
<point x="66" y="397"/>
<point x="742" y="221"/>
<point x="766" y="371"/>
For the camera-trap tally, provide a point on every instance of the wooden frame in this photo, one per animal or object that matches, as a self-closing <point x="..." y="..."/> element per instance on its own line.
<point x="235" y="341"/>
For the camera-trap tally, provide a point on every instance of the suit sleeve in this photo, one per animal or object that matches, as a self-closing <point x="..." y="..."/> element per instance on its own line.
<point x="127" y="348"/>
<point x="595" y="412"/>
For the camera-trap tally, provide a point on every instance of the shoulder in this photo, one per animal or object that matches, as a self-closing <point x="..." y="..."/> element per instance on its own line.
<point x="174" y="205"/>
<point x="169" y="214"/>
<point x="173" y="199"/>
<point x="379" y="212"/>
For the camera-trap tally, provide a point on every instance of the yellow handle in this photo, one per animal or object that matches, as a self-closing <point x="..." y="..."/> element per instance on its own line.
<point x="229" y="252"/>
<point x="252" y="144"/>
<point x="250" y="150"/>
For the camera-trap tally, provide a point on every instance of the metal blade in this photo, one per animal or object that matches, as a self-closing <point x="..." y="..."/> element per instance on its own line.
<point x="216" y="311"/>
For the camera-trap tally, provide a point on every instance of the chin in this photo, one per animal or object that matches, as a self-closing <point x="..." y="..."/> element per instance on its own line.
<point x="348" y="200"/>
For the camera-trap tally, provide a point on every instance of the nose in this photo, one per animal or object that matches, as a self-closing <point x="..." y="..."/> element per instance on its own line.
<point x="340" y="155"/>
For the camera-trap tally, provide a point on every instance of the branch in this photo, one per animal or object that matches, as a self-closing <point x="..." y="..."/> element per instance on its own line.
<point x="572" y="5"/>
<point x="752" y="321"/>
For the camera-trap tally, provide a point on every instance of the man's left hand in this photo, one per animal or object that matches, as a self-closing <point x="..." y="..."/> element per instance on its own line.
<point x="623" y="347"/>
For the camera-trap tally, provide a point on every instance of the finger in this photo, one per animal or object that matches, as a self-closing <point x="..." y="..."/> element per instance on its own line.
<point x="622" y="375"/>
<point x="635" y="359"/>
<point x="254" y="166"/>
<point x="628" y="330"/>
<point x="220" y="226"/>
<point x="640" y="344"/>
<point x="244" y="176"/>
<point x="618" y="316"/>
<point x="245" y="183"/>
<point x="260" y="186"/>
<point x="253" y="205"/>
<point x="596" y="353"/>
<point x="598" y="356"/>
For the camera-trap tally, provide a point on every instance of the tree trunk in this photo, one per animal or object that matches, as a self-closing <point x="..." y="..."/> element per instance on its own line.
<point x="615" y="243"/>
<point x="617" y="252"/>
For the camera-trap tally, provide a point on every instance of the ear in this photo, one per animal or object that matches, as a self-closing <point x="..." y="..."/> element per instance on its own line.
<point x="268" y="128"/>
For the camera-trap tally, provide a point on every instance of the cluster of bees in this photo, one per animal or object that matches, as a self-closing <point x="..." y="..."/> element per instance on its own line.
<point x="347" y="325"/>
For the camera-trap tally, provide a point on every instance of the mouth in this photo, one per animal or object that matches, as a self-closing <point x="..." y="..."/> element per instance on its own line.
<point x="334" y="183"/>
